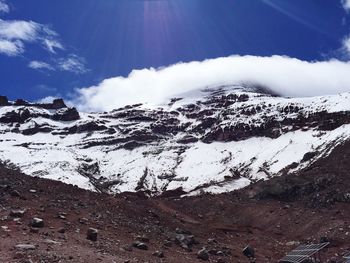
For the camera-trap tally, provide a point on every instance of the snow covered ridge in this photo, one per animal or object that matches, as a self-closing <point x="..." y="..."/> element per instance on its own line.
<point x="215" y="141"/>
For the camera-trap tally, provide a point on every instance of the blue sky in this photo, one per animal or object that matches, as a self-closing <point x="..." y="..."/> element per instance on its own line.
<point x="51" y="48"/>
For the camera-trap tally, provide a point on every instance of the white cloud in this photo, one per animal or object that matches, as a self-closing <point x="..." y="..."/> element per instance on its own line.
<point x="11" y="48"/>
<point x="16" y="31"/>
<point x="346" y="44"/>
<point x="51" y="45"/>
<point x="4" y="8"/>
<point x="73" y="64"/>
<point x="346" y="4"/>
<point x="283" y="75"/>
<point x="19" y="30"/>
<point x="40" y="65"/>
<point x="48" y="99"/>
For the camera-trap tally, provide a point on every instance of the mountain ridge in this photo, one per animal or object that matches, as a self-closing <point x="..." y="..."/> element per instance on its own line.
<point x="218" y="141"/>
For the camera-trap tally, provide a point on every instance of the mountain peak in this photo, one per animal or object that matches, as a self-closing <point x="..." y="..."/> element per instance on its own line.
<point x="222" y="140"/>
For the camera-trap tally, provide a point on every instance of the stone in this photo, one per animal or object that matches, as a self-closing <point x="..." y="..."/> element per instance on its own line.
<point x="83" y="220"/>
<point x="140" y="245"/>
<point x="212" y="241"/>
<point x="17" y="213"/>
<point x="249" y="252"/>
<point x="185" y="241"/>
<point x="158" y="254"/>
<point x="293" y="243"/>
<point x="25" y="247"/>
<point x="203" y="254"/>
<point x="37" y="222"/>
<point x="92" y="234"/>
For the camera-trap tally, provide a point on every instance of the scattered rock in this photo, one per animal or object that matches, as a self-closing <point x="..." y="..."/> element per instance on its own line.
<point x="249" y="252"/>
<point x="293" y="243"/>
<point x="185" y="241"/>
<point x="92" y="234"/>
<point x="25" y="247"/>
<point x="37" y="222"/>
<point x="182" y="231"/>
<point x="140" y="245"/>
<point x="212" y="241"/>
<point x="203" y="254"/>
<point x="62" y="215"/>
<point x="83" y="220"/>
<point x="158" y="254"/>
<point x="17" y="213"/>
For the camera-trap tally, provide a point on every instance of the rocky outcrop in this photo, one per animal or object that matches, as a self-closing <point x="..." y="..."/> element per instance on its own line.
<point x="4" y="101"/>
<point x="70" y="114"/>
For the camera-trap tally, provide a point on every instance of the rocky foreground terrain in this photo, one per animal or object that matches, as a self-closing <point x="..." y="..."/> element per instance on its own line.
<point x="272" y="217"/>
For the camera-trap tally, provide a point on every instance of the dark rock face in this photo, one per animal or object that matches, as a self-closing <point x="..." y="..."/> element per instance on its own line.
<point x="70" y="114"/>
<point x="220" y="117"/>
<point x="4" y="101"/>
<point x="15" y="116"/>
<point x="55" y="105"/>
<point x="58" y="104"/>
<point x="21" y="102"/>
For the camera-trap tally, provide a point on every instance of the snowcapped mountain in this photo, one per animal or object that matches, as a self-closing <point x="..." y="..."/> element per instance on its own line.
<point x="216" y="140"/>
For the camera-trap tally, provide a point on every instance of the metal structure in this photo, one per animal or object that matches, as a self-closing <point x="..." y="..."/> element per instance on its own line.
<point x="347" y="257"/>
<point x="305" y="253"/>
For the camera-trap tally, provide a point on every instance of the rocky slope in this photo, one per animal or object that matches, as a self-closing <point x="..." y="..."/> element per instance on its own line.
<point x="212" y="141"/>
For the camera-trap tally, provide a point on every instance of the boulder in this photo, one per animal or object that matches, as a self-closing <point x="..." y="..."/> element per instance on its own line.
<point x="158" y="254"/>
<point x="249" y="252"/>
<point x="25" y="247"/>
<point x="17" y="213"/>
<point x="184" y="241"/>
<point x="37" y="222"/>
<point x="140" y="245"/>
<point x="92" y="234"/>
<point x="203" y="254"/>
